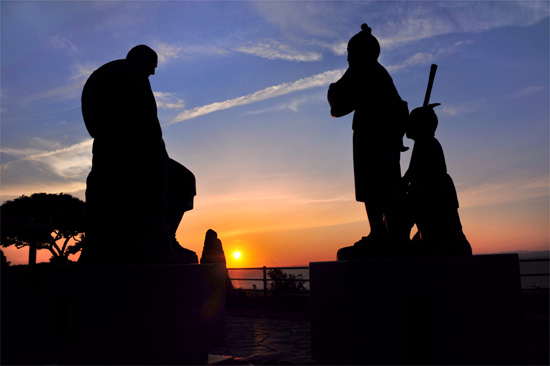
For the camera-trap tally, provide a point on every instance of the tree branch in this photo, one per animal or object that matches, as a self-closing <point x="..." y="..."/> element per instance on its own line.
<point x="52" y="251"/>
<point x="57" y="235"/>
<point x="65" y="245"/>
<point x="54" y="245"/>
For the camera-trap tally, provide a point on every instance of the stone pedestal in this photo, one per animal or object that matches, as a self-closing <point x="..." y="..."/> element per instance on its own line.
<point x="447" y="310"/>
<point x="112" y="314"/>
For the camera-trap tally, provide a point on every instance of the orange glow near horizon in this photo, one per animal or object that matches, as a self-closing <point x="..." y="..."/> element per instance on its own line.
<point x="286" y="231"/>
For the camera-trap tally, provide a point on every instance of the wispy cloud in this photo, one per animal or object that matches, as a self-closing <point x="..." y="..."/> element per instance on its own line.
<point x="168" y="101"/>
<point x="294" y="105"/>
<point x="429" y="19"/>
<point x="338" y="48"/>
<point x="317" y="19"/>
<point x="83" y="72"/>
<point x="513" y="190"/>
<point x="318" y="80"/>
<point x="65" y="162"/>
<point x="529" y="91"/>
<point x="166" y="51"/>
<point x="274" y="50"/>
<point x="455" y="110"/>
<point x="412" y="29"/>
<point x="27" y="188"/>
<point x="61" y="42"/>
<point x="45" y="167"/>
<point x="424" y="58"/>
<point x="72" y="88"/>
<point x="63" y="92"/>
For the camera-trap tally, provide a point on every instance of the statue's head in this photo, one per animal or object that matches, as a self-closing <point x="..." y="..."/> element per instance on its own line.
<point x="363" y="47"/>
<point x="422" y="122"/>
<point x="144" y="57"/>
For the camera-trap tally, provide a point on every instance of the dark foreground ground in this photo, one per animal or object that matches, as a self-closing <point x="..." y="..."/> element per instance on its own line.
<point x="267" y="331"/>
<point x="276" y="330"/>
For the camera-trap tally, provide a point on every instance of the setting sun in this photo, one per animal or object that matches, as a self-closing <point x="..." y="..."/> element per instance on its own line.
<point x="237" y="255"/>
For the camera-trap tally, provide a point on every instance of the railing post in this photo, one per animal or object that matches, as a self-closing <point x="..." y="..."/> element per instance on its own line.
<point x="265" y="280"/>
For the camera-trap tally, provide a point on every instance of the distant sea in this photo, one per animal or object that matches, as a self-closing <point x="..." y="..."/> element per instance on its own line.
<point x="537" y="282"/>
<point x="527" y="283"/>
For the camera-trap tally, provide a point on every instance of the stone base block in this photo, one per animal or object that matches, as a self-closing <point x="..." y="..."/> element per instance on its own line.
<point x="112" y="314"/>
<point x="446" y="310"/>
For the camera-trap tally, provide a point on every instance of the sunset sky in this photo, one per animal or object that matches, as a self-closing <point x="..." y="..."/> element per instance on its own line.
<point x="241" y="91"/>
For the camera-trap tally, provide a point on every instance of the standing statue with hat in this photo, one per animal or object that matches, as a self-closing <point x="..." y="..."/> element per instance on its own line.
<point x="379" y="124"/>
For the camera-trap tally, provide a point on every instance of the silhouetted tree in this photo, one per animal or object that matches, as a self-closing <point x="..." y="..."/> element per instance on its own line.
<point x="44" y="221"/>
<point x="282" y="282"/>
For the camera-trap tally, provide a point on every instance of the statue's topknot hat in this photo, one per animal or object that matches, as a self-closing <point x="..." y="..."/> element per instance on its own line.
<point x="364" y="45"/>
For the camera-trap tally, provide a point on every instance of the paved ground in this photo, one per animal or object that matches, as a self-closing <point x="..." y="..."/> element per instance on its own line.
<point x="261" y="341"/>
<point x="259" y="337"/>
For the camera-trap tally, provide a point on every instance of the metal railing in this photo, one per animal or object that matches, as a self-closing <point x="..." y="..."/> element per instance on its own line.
<point x="540" y="274"/>
<point x="265" y="271"/>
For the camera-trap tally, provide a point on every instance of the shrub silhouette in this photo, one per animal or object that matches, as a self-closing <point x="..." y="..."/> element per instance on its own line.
<point x="282" y="282"/>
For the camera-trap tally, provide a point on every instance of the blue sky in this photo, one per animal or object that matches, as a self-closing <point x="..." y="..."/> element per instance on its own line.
<point x="241" y="90"/>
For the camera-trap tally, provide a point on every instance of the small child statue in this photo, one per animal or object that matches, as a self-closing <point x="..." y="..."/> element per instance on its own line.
<point x="431" y="194"/>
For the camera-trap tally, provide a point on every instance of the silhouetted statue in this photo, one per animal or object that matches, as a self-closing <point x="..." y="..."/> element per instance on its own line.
<point x="212" y="252"/>
<point x="378" y="128"/>
<point x="136" y="195"/>
<point x="431" y="194"/>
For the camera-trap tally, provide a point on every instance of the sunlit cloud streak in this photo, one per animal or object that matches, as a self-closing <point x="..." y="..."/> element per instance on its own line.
<point x="66" y="162"/>
<point x="318" y="80"/>
<point x="82" y="72"/>
<point x="37" y="169"/>
<point x="425" y="58"/>
<point x="274" y="50"/>
<point x="294" y="105"/>
<point x="166" y="52"/>
<point x="513" y="190"/>
<point x="339" y="48"/>
<point x="168" y="101"/>
<point x="422" y="23"/>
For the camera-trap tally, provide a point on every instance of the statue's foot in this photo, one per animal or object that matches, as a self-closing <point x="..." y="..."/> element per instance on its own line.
<point x="369" y="247"/>
<point x="347" y="253"/>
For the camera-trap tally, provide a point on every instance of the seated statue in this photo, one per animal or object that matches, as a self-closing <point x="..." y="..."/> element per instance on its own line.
<point x="432" y="202"/>
<point x="136" y="195"/>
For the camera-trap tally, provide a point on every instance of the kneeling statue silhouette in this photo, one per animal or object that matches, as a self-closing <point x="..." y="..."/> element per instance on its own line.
<point x="136" y="195"/>
<point x="431" y="199"/>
